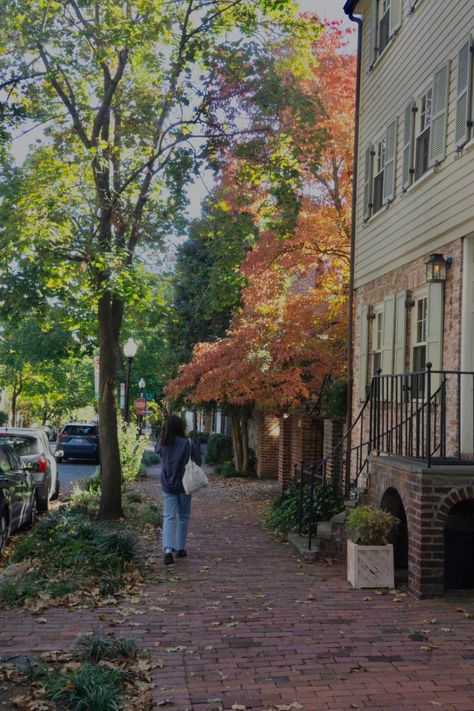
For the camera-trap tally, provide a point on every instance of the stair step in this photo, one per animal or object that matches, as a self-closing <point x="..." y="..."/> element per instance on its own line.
<point x="300" y="544"/>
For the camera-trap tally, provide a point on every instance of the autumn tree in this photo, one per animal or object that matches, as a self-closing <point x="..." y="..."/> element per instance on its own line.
<point x="130" y="96"/>
<point x="291" y="329"/>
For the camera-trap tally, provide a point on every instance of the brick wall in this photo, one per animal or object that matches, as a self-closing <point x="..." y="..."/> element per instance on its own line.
<point x="267" y="433"/>
<point x="306" y="438"/>
<point x="428" y="496"/>
<point x="284" y="452"/>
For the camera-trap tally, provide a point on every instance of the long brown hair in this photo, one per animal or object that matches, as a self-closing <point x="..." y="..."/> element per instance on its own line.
<point x="173" y="427"/>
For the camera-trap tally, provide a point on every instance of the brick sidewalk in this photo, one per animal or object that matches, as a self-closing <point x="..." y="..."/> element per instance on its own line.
<point x="242" y="623"/>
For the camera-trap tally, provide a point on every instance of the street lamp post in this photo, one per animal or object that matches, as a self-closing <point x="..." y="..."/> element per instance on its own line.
<point x="141" y="385"/>
<point x="129" y="351"/>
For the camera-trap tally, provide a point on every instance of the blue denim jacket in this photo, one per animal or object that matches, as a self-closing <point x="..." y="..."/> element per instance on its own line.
<point x="174" y="458"/>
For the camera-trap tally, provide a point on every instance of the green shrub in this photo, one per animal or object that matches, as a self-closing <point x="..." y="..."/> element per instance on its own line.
<point x="132" y="448"/>
<point x="283" y="514"/>
<point x="228" y="470"/>
<point x="371" y="526"/>
<point x="3" y="418"/>
<point x="89" y="688"/>
<point x="70" y="552"/>
<point x="93" y="647"/>
<point x="133" y="497"/>
<point x="150" y="458"/>
<point x="335" y="400"/>
<point x="219" y="448"/>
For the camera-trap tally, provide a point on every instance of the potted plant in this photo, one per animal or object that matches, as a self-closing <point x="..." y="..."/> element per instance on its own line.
<point x="369" y="553"/>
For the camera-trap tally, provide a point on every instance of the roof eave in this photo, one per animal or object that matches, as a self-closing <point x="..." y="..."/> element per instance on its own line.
<point x="350" y="6"/>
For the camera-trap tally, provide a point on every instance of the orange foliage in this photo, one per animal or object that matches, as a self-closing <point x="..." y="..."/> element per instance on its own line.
<point x="291" y="329"/>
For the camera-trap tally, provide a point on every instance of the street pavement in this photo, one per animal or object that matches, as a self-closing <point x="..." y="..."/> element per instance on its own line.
<point x="72" y="472"/>
<point x="241" y="623"/>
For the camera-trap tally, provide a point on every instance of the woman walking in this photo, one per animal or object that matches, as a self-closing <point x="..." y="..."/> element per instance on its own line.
<point x="174" y="449"/>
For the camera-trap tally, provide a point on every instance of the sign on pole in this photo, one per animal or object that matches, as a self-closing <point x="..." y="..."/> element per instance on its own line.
<point x="122" y="396"/>
<point x="96" y="375"/>
<point x="140" y="406"/>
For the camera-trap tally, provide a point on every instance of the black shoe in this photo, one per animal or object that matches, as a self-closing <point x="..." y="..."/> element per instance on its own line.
<point x="182" y="554"/>
<point x="168" y="559"/>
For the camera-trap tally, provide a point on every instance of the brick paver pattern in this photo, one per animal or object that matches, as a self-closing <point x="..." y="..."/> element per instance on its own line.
<point x="243" y="623"/>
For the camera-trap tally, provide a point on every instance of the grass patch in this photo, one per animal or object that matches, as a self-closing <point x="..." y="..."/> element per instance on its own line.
<point x="69" y="552"/>
<point x="103" y="673"/>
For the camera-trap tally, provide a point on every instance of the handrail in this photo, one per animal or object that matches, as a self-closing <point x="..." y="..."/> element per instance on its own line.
<point x="410" y="415"/>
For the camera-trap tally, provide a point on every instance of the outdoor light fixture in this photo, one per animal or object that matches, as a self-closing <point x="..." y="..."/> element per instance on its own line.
<point x="129" y="351"/>
<point x="436" y="267"/>
<point x="141" y="384"/>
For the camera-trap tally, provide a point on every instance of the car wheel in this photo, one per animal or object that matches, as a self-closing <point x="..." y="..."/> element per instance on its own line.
<point x="55" y="494"/>
<point x="3" y="532"/>
<point x="34" y="511"/>
<point x="59" y="460"/>
<point x="43" y="505"/>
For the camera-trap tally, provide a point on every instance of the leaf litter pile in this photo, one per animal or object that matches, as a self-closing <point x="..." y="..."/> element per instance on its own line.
<point x="102" y="673"/>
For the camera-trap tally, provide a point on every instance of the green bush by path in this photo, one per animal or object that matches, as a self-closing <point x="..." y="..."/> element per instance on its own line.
<point x="219" y="449"/>
<point x="283" y="514"/>
<point x="70" y="553"/>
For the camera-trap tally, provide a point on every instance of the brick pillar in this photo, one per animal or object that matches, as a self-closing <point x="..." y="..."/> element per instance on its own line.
<point x="306" y="439"/>
<point x="284" y="453"/>
<point x="333" y="433"/>
<point x="267" y="446"/>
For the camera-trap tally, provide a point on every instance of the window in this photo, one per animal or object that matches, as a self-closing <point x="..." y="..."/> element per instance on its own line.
<point x="377" y="340"/>
<point x="425" y="128"/>
<point x="423" y="134"/>
<point x="380" y="165"/>
<point x="378" y="176"/>
<point x="420" y="321"/>
<point x="386" y="20"/>
<point x="383" y="24"/>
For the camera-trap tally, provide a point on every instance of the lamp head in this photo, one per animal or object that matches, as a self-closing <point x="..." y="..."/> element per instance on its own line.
<point x="130" y="349"/>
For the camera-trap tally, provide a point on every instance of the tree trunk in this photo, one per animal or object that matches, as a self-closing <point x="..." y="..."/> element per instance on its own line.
<point x="245" y="444"/>
<point x="110" y="312"/>
<point x="236" y="441"/>
<point x="17" y="388"/>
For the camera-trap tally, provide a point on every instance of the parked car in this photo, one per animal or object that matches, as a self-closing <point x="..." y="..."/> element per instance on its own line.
<point x="32" y="446"/>
<point x="51" y="432"/>
<point x="78" y="440"/>
<point x="18" y="494"/>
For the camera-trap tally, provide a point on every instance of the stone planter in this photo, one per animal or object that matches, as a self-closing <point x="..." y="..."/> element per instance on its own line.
<point x="370" y="566"/>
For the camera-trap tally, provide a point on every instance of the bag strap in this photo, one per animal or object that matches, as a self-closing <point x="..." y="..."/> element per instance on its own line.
<point x="190" y="449"/>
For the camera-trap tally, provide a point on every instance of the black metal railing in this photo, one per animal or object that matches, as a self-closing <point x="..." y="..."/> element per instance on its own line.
<point x="427" y="416"/>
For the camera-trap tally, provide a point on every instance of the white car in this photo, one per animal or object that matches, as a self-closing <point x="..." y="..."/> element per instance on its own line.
<point x="32" y="446"/>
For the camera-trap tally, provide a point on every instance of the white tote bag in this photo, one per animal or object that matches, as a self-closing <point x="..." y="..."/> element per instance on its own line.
<point x="194" y="477"/>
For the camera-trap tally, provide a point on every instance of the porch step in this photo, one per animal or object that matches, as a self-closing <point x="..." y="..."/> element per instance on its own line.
<point x="300" y="544"/>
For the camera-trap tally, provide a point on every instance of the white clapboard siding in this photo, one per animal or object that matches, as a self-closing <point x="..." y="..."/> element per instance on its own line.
<point x="439" y="208"/>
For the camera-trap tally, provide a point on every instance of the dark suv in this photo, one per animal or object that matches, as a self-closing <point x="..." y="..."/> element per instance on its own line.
<point x="78" y="440"/>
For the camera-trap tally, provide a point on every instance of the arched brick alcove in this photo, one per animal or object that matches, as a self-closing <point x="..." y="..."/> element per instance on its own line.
<point x="392" y="502"/>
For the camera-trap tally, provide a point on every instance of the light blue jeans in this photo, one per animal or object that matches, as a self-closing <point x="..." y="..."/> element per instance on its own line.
<point x="176" y="513"/>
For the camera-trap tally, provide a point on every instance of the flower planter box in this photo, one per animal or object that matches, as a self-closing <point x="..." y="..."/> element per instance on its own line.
<point x="370" y="566"/>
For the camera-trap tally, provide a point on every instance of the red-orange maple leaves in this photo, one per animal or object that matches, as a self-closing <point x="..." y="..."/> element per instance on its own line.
<point x="291" y="329"/>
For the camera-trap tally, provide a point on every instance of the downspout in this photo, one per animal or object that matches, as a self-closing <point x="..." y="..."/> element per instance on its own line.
<point x="350" y="334"/>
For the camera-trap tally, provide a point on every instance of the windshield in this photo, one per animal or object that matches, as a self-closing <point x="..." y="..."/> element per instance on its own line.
<point x="22" y="444"/>
<point x="81" y="430"/>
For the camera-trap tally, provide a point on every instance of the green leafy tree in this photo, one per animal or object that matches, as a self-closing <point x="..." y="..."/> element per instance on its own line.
<point x="129" y="94"/>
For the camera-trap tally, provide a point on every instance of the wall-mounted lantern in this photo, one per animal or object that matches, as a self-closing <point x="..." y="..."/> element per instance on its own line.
<point x="436" y="268"/>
